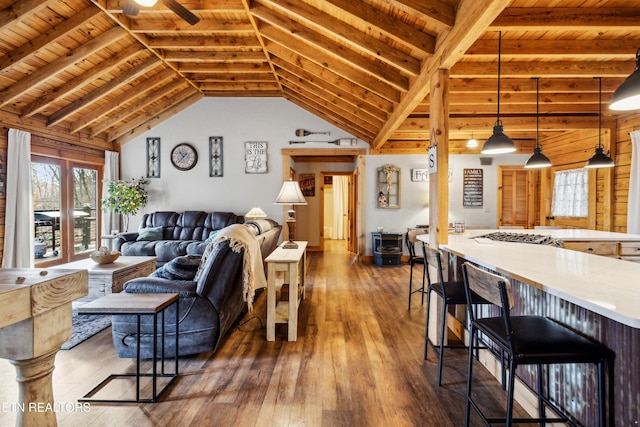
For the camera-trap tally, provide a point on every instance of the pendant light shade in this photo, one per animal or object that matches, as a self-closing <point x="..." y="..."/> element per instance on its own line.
<point x="600" y="159"/>
<point x="537" y="160"/>
<point x="627" y="96"/>
<point x="498" y="143"/>
<point x="472" y="143"/>
<point x="147" y="3"/>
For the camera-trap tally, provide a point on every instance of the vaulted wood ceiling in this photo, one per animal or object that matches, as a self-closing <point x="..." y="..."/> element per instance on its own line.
<point x="86" y="67"/>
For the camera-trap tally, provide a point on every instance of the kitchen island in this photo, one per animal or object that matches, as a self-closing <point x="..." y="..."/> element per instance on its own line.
<point x="596" y="295"/>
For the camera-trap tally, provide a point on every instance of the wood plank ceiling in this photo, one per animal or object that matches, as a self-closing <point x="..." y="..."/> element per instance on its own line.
<point x="89" y="69"/>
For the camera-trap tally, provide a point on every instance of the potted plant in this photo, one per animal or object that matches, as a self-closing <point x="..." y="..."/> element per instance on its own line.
<point x="125" y="197"/>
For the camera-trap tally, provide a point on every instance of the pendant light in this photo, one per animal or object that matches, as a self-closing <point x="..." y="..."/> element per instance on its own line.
<point x="627" y="96"/>
<point x="600" y="159"/>
<point x="537" y="160"/>
<point x="472" y="143"/>
<point x="498" y="143"/>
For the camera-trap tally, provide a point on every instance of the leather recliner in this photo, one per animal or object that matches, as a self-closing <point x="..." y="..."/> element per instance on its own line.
<point x="208" y="307"/>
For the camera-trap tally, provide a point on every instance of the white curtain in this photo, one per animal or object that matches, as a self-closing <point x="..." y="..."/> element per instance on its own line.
<point x="340" y="206"/>
<point x="633" y="204"/>
<point x="110" y="220"/>
<point x="570" y="193"/>
<point x="18" y="227"/>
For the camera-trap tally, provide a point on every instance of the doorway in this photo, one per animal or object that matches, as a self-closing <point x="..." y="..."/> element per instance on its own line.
<point x="336" y="223"/>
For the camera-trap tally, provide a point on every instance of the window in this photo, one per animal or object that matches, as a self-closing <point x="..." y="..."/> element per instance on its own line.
<point x="571" y="193"/>
<point x="65" y="203"/>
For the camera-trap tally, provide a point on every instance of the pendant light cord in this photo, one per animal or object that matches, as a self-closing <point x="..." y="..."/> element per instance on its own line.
<point x="600" y="113"/>
<point x="499" y="50"/>
<point x="537" y="109"/>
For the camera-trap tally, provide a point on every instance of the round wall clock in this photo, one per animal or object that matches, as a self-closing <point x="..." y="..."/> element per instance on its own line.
<point x="184" y="156"/>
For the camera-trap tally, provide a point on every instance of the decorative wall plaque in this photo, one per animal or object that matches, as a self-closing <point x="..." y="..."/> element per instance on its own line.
<point x="307" y="183"/>
<point x="153" y="157"/>
<point x="255" y="157"/>
<point x="472" y="188"/>
<point x="215" y="157"/>
<point x="388" y="187"/>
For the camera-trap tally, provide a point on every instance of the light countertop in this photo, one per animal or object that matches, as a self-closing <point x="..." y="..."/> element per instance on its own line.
<point x="607" y="286"/>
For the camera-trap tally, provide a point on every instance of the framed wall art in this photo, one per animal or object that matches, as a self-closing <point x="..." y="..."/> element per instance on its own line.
<point x="153" y="157"/>
<point x="255" y="157"/>
<point x="215" y="157"/>
<point x="307" y="183"/>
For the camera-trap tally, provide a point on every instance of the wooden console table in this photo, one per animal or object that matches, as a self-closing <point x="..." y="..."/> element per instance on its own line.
<point x="293" y="263"/>
<point x="35" y="320"/>
<point x="110" y="278"/>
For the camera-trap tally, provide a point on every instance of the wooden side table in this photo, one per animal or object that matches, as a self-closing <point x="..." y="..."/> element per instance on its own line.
<point x="138" y="305"/>
<point x="293" y="263"/>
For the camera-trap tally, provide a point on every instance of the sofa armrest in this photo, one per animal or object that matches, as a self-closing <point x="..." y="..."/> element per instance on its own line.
<point x="157" y="285"/>
<point x="122" y="238"/>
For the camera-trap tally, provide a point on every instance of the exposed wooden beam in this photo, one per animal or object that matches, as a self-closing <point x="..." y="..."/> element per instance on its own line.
<point x="288" y="32"/>
<point x="114" y="84"/>
<point x="42" y="74"/>
<point x="178" y="25"/>
<point x="123" y="98"/>
<point x="212" y="6"/>
<point x="337" y="66"/>
<point x="472" y="19"/>
<point x="224" y="56"/>
<point x="397" y="30"/>
<point x="323" y="75"/>
<point x="233" y="67"/>
<point x="324" y="22"/>
<point x="555" y="69"/>
<point x="545" y="49"/>
<point x="20" y="10"/>
<point x="528" y="85"/>
<point x="77" y="83"/>
<point x="29" y="48"/>
<point x="511" y="123"/>
<point x="543" y="19"/>
<point x="433" y="10"/>
<point x="134" y="108"/>
<point x="152" y="118"/>
<point x="202" y="42"/>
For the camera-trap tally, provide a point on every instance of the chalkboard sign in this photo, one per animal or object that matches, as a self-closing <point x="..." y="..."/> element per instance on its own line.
<point x="472" y="188"/>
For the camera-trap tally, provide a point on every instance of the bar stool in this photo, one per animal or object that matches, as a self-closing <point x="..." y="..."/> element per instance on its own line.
<point x="528" y="340"/>
<point x="452" y="293"/>
<point x="409" y="241"/>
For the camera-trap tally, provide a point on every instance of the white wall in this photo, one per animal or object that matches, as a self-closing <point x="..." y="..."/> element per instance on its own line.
<point x="275" y="120"/>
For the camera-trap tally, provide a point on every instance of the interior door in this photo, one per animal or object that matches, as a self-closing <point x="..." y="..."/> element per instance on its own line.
<point x="512" y="197"/>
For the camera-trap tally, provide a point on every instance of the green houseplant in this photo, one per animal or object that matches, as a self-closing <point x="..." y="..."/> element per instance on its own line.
<point x="125" y="197"/>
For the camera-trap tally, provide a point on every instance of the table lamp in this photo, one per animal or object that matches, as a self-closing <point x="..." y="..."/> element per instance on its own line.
<point x="290" y="194"/>
<point x="255" y="213"/>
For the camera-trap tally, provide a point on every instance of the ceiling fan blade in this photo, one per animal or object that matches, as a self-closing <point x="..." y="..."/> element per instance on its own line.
<point x="181" y="11"/>
<point x="131" y="8"/>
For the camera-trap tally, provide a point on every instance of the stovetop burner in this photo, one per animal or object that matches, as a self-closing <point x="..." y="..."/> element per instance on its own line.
<point x="536" y="239"/>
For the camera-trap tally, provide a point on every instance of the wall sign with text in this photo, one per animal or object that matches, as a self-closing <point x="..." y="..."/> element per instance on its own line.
<point x="472" y="187"/>
<point x="255" y="157"/>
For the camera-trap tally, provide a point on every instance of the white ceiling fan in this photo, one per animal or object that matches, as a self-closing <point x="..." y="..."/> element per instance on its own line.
<point x="132" y="8"/>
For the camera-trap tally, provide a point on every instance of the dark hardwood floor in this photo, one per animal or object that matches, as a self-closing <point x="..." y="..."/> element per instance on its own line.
<point x="357" y="362"/>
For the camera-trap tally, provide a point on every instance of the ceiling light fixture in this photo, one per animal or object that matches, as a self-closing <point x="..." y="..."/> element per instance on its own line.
<point x="537" y="160"/>
<point x="498" y="143"/>
<point x="472" y="143"/>
<point x="146" y="3"/>
<point x="600" y="159"/>
<point x="627" y="96"/>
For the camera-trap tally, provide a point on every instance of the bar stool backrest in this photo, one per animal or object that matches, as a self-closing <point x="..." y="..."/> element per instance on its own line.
<point x="432" y="257"/>
<point x="495" y="289"/>
<point x="411" y="238"/>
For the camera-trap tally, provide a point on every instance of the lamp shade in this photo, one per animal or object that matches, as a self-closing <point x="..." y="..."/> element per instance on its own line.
<point x="627" y="96"/>
<point x="600" y="159"/>
<point x="498" y="143"/>
<point x="255" y="213"/>
<point x="290" y="194"/>
<point x="537" y="160"/>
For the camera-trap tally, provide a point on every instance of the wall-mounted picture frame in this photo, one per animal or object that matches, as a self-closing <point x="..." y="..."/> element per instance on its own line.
<point x="153" y="157"/>
<point x="307" y="183"/>
<point x="215" y="157"/>
<point x="255" y="157"/>
<point x="420" y="175"/>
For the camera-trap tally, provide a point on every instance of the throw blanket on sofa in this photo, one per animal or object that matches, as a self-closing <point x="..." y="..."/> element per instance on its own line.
<point x="240" y="237"/>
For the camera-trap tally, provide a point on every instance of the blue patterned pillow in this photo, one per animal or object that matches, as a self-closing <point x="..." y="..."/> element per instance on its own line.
<point x="212" y="236"/>
<point x="150" y="234"/>
<point x="180" y="268"/>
